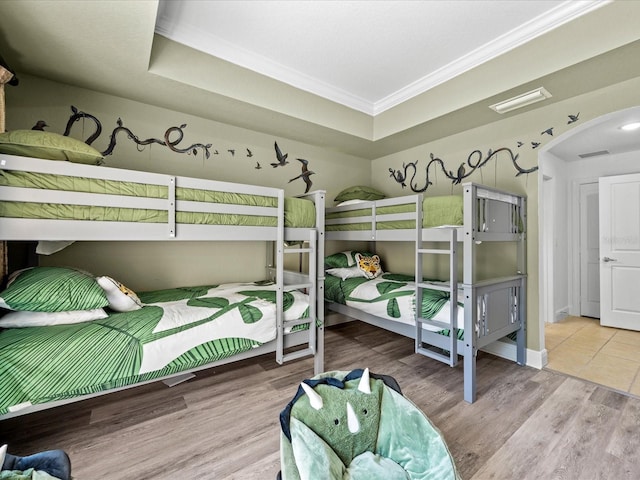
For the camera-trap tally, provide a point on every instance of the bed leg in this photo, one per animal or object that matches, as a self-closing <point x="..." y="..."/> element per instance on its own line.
<point x="318" y="359"/>
<point x="470" y="376"/>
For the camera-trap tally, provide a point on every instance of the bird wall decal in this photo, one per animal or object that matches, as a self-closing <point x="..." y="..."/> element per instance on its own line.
<point x="40" y="124"/>
<point x="282" y="158"/>
<point x="306" y="173"/>
<point x="232" y="151"/>
<point x="249" y="153"/>
<point x="535" y="144"/>
<point x="548" y="131"/>
<point x="573" y="118"/>
<point x="258" y="166"/>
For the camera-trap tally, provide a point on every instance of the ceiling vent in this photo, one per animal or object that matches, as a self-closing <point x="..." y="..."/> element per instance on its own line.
<point x="594" y="154"/>
<point x="520" y="101"/>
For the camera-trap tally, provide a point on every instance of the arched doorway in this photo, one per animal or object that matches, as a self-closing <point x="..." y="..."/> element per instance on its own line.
<point x="568" y="165"/>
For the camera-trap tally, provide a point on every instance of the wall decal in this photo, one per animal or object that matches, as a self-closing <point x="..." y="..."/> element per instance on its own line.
<point x="282" y="159"/>
<point x="167" y="142"/>
<point x="40" y="124"/>
<point x="475" y="161"/>
<point x="306" y="173"/>
<point x="258" y="166"/>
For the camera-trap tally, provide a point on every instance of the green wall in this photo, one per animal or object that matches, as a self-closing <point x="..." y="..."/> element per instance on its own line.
<point x="500" y="173"/>
<point x="156" y="266"/>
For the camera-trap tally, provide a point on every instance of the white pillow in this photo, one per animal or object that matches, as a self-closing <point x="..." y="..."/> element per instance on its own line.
<point x="351" y="202"/>
<point x="24" y="318"/>
<point x="121" y="298"/>
<point x="345" y="273"/>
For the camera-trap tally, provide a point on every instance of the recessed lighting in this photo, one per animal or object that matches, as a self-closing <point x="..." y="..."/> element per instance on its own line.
<point x="629" y="127"/>
<point x="520" y="101"/>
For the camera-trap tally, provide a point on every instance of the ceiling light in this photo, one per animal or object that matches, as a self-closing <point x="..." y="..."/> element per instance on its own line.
<point x="630" y="126"/>
<point x="520" y="101"/>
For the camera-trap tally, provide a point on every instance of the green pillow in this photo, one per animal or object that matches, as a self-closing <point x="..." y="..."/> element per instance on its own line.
<point x="53" y="289"/>
<point x="47" y="145"/>
<point x="359" y="192"/>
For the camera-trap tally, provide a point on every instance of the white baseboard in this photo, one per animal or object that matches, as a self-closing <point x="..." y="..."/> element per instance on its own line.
<point x="560" y="314"/>
<point x="535" y="358"/>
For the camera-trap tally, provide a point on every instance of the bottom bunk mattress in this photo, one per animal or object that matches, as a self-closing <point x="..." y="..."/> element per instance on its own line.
<point x="176" y="330"/>
<point x="391" y="296"/>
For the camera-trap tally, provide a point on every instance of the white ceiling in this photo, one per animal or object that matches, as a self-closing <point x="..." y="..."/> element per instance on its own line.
<point x="409" y="72"/>
<point x="367" y="55"/>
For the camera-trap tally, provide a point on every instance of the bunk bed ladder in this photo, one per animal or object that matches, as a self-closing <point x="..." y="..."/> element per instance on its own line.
<point x="286" y="327"/>
<point x="450" y="355"/>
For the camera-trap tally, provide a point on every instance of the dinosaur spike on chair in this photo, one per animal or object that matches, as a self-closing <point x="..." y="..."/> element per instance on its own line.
<point x="352" y="419"/>
<point x="364" y="385"/>
<point x="314" y="399"/>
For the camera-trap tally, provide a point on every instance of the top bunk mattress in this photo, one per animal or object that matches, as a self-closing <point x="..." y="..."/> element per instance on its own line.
<point x="299" y="213"/>
<point x="497" y="214"/>
<point x="437" y="211"/>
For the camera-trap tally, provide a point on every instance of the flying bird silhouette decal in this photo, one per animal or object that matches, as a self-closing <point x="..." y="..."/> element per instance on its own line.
<point x="282" y="159"/>
<point x="40" y="124"/>
<point x="573" y="118"/>
<point x="548" y="131"/>
<point x="306" y="173"/>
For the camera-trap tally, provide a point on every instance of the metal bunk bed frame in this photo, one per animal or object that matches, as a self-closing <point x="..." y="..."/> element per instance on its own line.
<point x="493" y="308"/>
<point x="310" y="241"/>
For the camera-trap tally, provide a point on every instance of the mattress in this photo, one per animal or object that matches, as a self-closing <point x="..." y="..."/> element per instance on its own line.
<point x="436" y="211"/>
<point x="176" y="330"/>
<point x="299" y="213"/>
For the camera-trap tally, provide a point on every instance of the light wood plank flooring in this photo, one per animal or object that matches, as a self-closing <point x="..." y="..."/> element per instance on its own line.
<point x="579" y="346"/>
<point x="526" y="424"/>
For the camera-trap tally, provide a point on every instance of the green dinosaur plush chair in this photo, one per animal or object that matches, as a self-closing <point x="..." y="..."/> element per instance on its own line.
<point x="358" y="426"/>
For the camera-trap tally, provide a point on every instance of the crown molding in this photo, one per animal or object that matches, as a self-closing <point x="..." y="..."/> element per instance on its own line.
<point x="209" y="43"/>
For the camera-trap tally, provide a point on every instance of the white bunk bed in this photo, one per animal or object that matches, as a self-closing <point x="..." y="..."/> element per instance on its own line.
<point x="172" y="208"/>
<point x="493" y="308"/>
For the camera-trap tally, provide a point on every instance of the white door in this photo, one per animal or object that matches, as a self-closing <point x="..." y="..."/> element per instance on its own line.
<point x="589" y="251"/>
<point x="620" y="251"/>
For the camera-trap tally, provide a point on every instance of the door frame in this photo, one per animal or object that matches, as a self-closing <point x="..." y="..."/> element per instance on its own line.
<point x="575" y="294"/>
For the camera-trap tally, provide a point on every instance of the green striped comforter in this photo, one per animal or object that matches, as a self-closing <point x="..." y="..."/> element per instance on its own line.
<point x="176" y="330"/>
<point x="299" y="212"/>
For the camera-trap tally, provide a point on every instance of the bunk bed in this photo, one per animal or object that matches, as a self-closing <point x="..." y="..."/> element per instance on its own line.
<point x="486" y="310"/>
<point x="45" y="200"/>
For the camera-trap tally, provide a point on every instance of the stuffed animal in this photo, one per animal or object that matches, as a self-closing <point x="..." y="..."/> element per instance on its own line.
<point x="358" y="425"/>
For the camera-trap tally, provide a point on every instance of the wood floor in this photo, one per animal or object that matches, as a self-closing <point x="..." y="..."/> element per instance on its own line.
<point x="526" y="424"/>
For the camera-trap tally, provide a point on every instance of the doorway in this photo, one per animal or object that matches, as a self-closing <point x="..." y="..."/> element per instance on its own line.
<point x="570" y="167"/>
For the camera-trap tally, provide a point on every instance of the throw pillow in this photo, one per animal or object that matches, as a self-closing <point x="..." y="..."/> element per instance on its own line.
<point x="48" y="145"/>
<point x="53" y="289"/>
<point x="121" y="298"/>
<point x="359" y="192"/>
<point x="41" y="319"/>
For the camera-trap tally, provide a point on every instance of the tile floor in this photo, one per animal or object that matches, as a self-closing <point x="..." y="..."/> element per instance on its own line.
<point x="580" y="347"/>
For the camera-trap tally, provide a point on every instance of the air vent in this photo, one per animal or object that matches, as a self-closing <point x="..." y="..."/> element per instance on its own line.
<point x="594" y="154"/>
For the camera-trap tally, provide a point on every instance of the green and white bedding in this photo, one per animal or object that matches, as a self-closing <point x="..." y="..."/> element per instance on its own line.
<point x="299" y="213"/>
<point x="392" y="296"/>
<point x="176" y="330"/>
